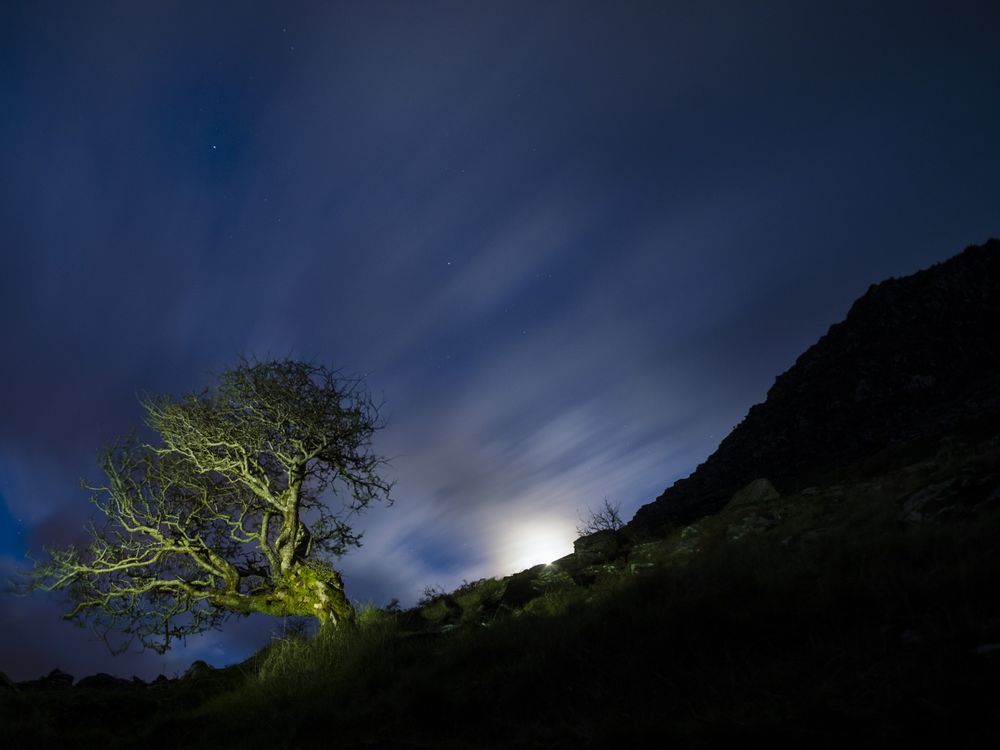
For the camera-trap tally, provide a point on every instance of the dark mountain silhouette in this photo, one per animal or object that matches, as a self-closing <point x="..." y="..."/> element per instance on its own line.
<point x="916" y="358"/>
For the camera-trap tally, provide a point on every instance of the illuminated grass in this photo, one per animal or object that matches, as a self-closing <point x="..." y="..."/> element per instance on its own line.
<point x="865" y="633"/>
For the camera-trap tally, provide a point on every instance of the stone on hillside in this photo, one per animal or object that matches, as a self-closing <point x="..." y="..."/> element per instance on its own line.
<point x="104" y="681"/>
<point x="532" y="583"/>
<point x="54" y="680"/>
<point x="604" y="570"/>
<point x="197" y="670"/>
<point x="758" y="492"/>
<point x="553" y="577"/>
<point x="442" y="610"/>
<point x="753" y="524"/>
<point x="571" y="566"/>
<point x="58" y="679"/>
<point x="688" y="543"/>
<point x="648" y="555"/>
<point x="599" y="547"/>
<point x="955" y="497"/>
<point x="750" y="518"/>
<point x="521" y="589"/>
<point x="925" y="504"/>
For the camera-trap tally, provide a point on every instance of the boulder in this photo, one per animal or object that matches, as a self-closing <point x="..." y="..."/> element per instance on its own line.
<point x="530" y="584"/>
<point x="105" y="681"/>
<point x="926" y="504"/>
<point x="161" y="681"/>
<point x="605" y="570"/>
<point x="54" y="680"/>
<point x="198" y="670"/>
<point x="521" y="588"/>
<point x="552" y="577"/>
<point x="599" y="547"/>
<point x="952" y="498"/>
<point x="758" y="492"/>
<point x="648" y="555"/>
<point x="442" y="610"/>
<point x="753" y="524"/>
<point x="688" y="543"/>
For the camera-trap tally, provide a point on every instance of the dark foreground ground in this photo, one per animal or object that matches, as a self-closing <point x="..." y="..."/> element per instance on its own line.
<point x="864" y="611"/>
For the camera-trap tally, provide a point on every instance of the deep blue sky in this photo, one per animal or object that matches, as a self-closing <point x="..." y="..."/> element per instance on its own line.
<point x="571" y="243"/>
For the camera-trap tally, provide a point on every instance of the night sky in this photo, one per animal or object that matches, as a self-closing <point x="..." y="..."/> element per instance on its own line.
<point x="570" y="243"/>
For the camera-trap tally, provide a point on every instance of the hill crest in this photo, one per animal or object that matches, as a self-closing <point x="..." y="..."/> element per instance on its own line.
<point x="916" y="358"/>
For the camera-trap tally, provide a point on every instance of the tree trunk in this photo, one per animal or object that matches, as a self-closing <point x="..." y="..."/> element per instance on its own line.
<point x="309" y="589"/>
<point x="316" y="590"/>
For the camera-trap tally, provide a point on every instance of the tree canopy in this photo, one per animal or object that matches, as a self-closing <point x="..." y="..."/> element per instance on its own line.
<point x="240" y="506"/>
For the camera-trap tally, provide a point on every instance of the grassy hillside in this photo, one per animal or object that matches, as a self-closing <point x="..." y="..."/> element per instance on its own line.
<point x="863" y="611"/>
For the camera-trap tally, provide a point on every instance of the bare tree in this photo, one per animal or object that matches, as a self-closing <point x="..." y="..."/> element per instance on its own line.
<point x="238" y="508"/>
<point x="606" y="518"/>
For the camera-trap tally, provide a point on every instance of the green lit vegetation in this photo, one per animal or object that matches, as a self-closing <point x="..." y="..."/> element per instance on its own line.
<point x="840" y="625"/>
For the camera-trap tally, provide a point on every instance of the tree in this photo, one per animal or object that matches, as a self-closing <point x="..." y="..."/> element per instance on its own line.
<point x="606" y="518"/>
<point x="230" y="511"/>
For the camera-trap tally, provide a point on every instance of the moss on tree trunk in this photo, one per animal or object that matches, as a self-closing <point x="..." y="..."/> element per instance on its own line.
<point x="310" y="589"/>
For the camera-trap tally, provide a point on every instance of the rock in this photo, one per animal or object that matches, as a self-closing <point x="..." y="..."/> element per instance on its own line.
<point x="988" y="650"/>
<point x="923" y="506"/>
<point x="442" y="610"/>
<point x="54" y="680"/>
<point x="603" y="570"/>
<point x="521" y="588"/>
<point x="553" y="577"/>
<point x="957" y="497"/>
<point x="105" y="681"/>
<point x="648" y="555"/>
<point x="6" y="683"/>
<point x="758" y="492"/>
<point x="198" y="670"/>
<point x="689" y="542"/>
<point x="813" y="535"/>
<point x="993" y="499"/>
<point x="751" y="519"/>
<point x="530" y="584"/>
<point x="753" y="524"/>
<point x="58" y="679"/>
<point x="599" y="547"/>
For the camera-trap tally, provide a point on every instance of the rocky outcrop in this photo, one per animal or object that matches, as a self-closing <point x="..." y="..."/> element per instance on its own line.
<point x="599" y="547"/>
<point x="917" y="358"/>
<point x="198" y="670"/>
<point x="105" y="681"/>
<point x="54" y="680"/>
<point x="955" y="497"/>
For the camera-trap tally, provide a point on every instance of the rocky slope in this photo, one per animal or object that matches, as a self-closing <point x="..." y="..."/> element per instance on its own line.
<point x="916" y="358"/>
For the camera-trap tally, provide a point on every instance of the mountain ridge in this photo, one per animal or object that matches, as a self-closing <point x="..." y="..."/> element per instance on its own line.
<point x="916" y="358"/>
